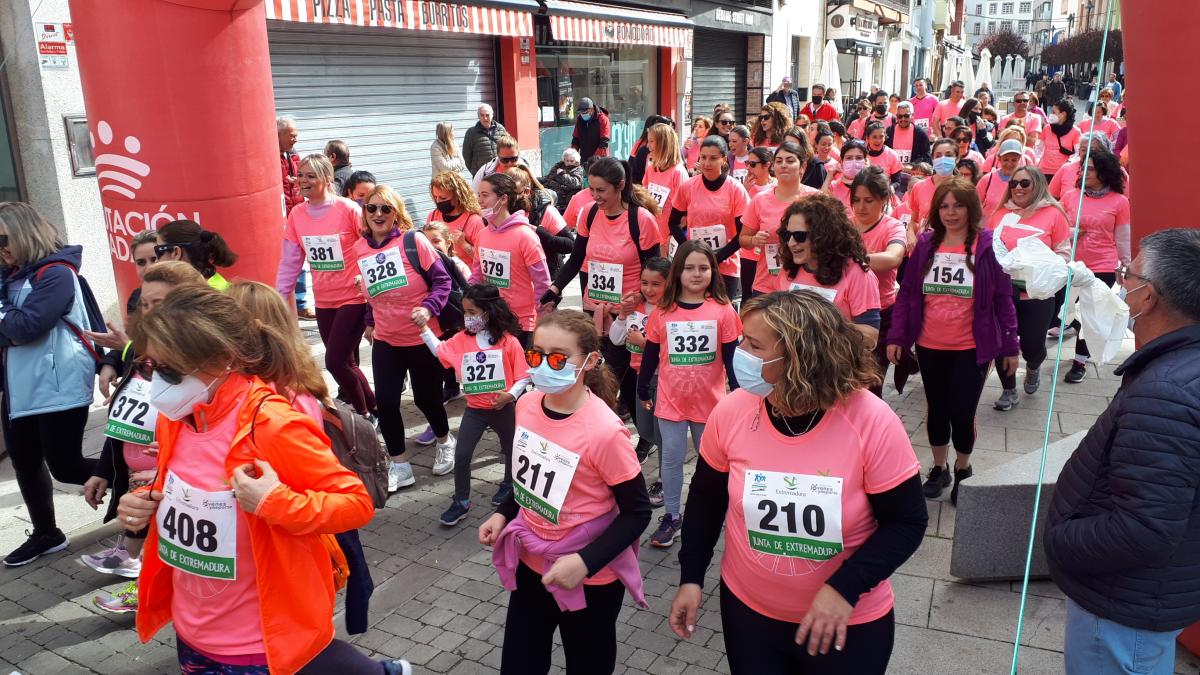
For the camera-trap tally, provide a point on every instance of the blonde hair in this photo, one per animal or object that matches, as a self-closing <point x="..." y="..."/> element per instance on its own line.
<point x="825" y="358"/>
<point x="30" y="236"/>
<point x="1016" y="131"/>
<point x="404" y="221"/>
<point x="666" y="146"/>
<point x="525" y="178"/>
<point x="174" y="273"/>
<point x="459" y="189"/>
<point x="320" y="165"/>
<point x="445" y="138"/>
<point x="507" y="141"/>
<point x="443" y="230"/>
<point x="298" y="374"/>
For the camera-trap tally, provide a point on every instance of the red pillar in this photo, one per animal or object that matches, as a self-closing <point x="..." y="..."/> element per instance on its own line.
<point x="1154" y="32"/>
<point x="181" y="111"/>
<point x="518" y="91"/>
<point x="670" y="60"/>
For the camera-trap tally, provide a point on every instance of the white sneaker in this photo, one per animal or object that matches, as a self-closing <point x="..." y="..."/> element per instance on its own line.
<point x="400" y="474"/>
<point x="443" y="461"/>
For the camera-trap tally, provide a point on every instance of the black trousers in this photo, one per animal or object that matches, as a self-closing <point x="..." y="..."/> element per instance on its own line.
<point x="475" y="421"/>
<point x="953" y="384"/>
<point x="749" y="269"/>
<point x="589" y="636"/>
<point x="1033" y="320"/>
<point x="391" y="365"/>
<point x="1081" y="348"/>
<point x="759" y="645"/>
<point x="53" y="440"/>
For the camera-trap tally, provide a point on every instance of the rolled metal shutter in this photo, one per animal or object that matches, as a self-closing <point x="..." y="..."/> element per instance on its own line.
<point x="719" y="72"/>
<point x="382" y="91"/>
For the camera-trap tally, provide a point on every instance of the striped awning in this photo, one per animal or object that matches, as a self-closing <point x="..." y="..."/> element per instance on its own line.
<point x="452" y="17"/>
<point x="584" y="22"/>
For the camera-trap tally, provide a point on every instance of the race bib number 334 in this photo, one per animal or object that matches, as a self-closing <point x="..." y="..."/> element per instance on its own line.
<point x="793" y="515"/>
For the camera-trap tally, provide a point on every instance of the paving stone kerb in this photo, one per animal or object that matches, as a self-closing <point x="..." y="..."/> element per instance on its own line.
<point x="991" y="528"/>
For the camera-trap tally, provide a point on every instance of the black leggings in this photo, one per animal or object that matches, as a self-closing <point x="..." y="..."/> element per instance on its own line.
<point x="759" y="645"/>
<point x="880" y="351"/>
<point x="953" y="384"/>
<point x="733" y="289"/>
<point x="53" y="440"/>
<point x="341" y="331"/>
<point x="749" y="269"/>
<point x="475" y="421"/>
<point x="339" y="658"/>
<point x="589" y="635"/>
<point x="1033" y="320"/>
<point x="391" y="364"/>
<point x="1081" y="348"/>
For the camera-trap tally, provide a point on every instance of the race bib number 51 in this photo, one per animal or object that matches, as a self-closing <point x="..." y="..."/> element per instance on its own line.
<point x="542" y="474"/>
<point x="793" y="515"/>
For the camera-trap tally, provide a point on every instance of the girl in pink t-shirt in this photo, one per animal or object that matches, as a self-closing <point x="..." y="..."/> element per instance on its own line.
<point x="457" y="207"/>
<point x="577" y="488"/>
<point x="690" y="338"/>
<point x="761" y="222"/>
<point x="665" y="173"/>
<point x="804" y="469"/>
<point x="490" y="364"/>
<point x="879" y="154"/>
<point x="1059" y="139"/>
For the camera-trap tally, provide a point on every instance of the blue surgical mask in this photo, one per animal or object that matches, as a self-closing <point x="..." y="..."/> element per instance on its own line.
<point x="586" y="117"/>
<point x="551" y="381"/>
<point x="748" y="370"/>
<point x="943" y="166"/>
<point x="475" y="324"/>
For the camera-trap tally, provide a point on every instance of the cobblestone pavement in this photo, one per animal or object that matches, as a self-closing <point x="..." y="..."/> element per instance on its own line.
<point x="438" y="604"/>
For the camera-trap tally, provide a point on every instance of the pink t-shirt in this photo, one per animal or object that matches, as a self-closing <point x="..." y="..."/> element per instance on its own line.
<point x="991" y="189"/>
<point x="691" y="372"/>
<point x="1052" y="160"/>
<point x="840" y="189"/>
<point x="902" y="143"/>
<point x="707" y="209"/>
<point x="764" y="214"/>
<point x="738" y="170"/>
<point x="920" y="201"/>
<point x="469" y="224"/>
<point x="663" y="187"/>
<point x="552" y="220"/>
<point x="857" y="127"/>
<point x="1102" y="216"/>
<point x="923" y="110"/>
<point x="1031" y="123"/>
<point x="859" y="447"/>
<point x="484" y="385"/>
<point x="327" y="234"/>
<point x="949" y="319"/>
<point x="945" y="110"/>
<point x="1051" y="223"/>
<point x="1068" y="177"/>
<point x="692" y="153"/>
<point x="887" y="160"/>
<point x="510" y="253"/>
<point x="398" y="289"/>
<point x="578" y="206"/>
<point x="609" y="244"/>
<point x="605" y="458"/>
<point x="1107" y="126"/>
<point x="216" y="616"/>
<point x="877" y="238"/>
<point x="856" y="293"/>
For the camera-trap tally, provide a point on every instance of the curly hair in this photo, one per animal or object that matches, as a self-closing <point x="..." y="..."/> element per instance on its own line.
<point x="964" y="193"/>
<point x="825" y="358"/>
<point x="600" y="378"/>
<point x="460" y="191"/>
<point x="833" y="239"/>
<point x="1108" y="171"/>
<point x="781" y="116"/>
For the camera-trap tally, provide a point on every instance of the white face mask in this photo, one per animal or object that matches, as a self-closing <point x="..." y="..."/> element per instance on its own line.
<point x="1132" y="317"/>
<point x="177" y="401"/>
<point x="1052" y="118"/>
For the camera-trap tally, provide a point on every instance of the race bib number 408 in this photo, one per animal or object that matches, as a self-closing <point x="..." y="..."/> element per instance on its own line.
<point x="793" y="515"/>
<point x="197" y="530"/>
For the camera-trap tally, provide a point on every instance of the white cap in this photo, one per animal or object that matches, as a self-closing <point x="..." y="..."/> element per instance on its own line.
<point x="1011" y="146"/>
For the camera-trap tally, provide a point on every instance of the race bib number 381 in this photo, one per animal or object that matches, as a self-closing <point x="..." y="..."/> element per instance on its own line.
<point x="793" y="515"/>
<point x="197" y="530"/>
<point x="542" y="474"/>
<point x="325" y="253"/>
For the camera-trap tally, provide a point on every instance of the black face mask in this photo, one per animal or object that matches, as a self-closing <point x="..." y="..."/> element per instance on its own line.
<point x="817" y="100"/>
<point x="880" y="109"/>
<point x="445" y="208"/>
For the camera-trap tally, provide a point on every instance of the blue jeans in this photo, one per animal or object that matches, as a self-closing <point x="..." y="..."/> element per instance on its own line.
<point x="1096" y="646"/>
<point x="674" y="452"/>
<point x="301" y="291"/>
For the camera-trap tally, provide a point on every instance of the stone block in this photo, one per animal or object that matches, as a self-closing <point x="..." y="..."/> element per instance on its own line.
<point x="995" y="507"/>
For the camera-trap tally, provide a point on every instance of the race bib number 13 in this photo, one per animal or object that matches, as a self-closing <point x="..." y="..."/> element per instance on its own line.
<point x="793" y="515"/>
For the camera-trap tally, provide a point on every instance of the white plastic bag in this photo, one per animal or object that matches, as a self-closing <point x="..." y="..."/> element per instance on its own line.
<point x="1102" y="314"/>
<point x="1042" y="270"/>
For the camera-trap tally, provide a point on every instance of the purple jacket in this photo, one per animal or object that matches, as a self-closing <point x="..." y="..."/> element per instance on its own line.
<point x="505" y="558"/>
<point x="439" y="290"/>
<point x="994" y="324"/>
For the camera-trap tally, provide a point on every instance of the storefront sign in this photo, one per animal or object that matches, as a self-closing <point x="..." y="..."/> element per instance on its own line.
<point x="451" y="17"/>
<point x="627" y="26"/>
<point x="52" y="46"/>
<point x="848" y="23"/>
<point x="723" y="17"/>
<point x="735" y="18"/>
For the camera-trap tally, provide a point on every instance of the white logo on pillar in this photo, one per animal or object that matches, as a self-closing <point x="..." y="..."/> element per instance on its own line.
<point x="118" y="173"/>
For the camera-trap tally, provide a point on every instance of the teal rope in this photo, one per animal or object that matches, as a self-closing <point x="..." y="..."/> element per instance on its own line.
<point x="1037" y="497"/>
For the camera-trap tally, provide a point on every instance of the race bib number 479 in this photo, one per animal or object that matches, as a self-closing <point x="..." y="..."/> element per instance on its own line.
<point x="793" y="515"/>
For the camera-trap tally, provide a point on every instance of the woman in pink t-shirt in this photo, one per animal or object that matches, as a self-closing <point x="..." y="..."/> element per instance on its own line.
<point x="758" y="176"/>
<point x="665" y="173"/>
<point x="760" y="224"/>
<point x="920" y="195"/>
<point x="691" y="147"/>
<point x="824" y="254"/>
<point x="739" y="152"/>
<point x="853" y="160"/>
<point x="690" y="340"/>
<point x="323" y="230"/>
<point x="577" y="491"/>
<point x="818" y="489"/>
<point x="1060" y="138"/>
<point x="879" y="154"/>
<point x="457" y="207"/>
<point x="1042" y="216"/>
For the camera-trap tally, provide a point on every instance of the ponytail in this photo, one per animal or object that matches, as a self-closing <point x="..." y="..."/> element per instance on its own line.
<point x="616" y="172"/>
<point x="204" y="249"/>
<point x="600" y="379"/>
<point x="505" y="185"/>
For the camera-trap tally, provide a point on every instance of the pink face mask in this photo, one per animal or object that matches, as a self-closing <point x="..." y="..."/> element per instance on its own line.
<point x="852" y="167"/>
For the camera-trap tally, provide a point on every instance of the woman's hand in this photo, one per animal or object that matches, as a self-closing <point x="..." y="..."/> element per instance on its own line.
<point x="894" y="352"/>
<point x="94" y="490"/>
<point x="115" y="338"/>
<point x="420" y="316"/>
<point x="629" y="303"/>
<point x="490" y="530"/>
<point x="636" y="338"/>
<point x="503" y="399"/>
<point x="1009" y="365"/>
<point x="825" y="623"/>
<point x="566" y="572"/>
<point x="369" y="334"/>
<point x="682" y="617"/>
<point x="251" y="490"/>
<point x="137" y="508"/>
<point x="761" y="238"/>
<point x="108" y="375"/>
<point x="648" y="405"/>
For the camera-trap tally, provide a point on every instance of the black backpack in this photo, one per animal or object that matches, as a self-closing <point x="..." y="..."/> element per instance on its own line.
<point x="635" y="228"/>
<point x="451" y="317"/>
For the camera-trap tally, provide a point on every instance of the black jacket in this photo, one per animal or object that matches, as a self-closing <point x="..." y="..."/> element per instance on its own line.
<point x="1123" y="531"/>
<point x="920" y="144"/>
<point x="565" y="181"/>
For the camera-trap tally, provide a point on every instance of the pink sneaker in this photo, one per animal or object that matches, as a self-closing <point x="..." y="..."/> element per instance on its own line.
<point x="123" y="601"/>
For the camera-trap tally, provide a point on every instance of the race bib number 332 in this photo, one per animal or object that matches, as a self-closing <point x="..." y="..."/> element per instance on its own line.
<point x="691" y="343"/>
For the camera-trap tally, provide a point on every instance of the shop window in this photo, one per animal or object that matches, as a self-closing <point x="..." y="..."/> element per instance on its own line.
<point x="10" y="184"/>
<point x="79" y="143"/>
<point x="623" y="79"/>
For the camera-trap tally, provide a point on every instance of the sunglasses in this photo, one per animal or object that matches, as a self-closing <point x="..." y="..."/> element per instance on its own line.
<point x="1023" y="183"/>
<point x="162" y="249"/>
<point x="754" y="165"/>
<point x="904" y="117"/>
<point x="764" y="117"/>
<point x="508" y="160"/>
<point x="3" y="241"/>
<point x="385" y="208"/>
<point x="555" y="360"/>
<point x="725" y="123"/>
<point x="797" y="236"/>
<point x="167" y="373"/>
<point x="1020" y="100"/>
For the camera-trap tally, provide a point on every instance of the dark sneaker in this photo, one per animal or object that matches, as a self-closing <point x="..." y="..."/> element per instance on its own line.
<point x="37" y="545"/>
<point x="1007" y="401"/>
<point x="502" y="495"/>
<point x="451" y="393"/>
<point x="937" y="482"/>
<point x="959" y="476"/>
<point x="1076" y="374"/>
<point x="1033" y="379"/>
<point x="644" y="449"/>
<point x="457" y="511"/>
<point x="668" y="529"/>
<point x="397" y="667"/>
<point x="656" y="494"/>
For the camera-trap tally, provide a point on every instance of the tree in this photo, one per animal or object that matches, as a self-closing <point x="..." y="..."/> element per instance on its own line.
<point x="1005" y="43"/>
<point x="1084" y="48"/>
